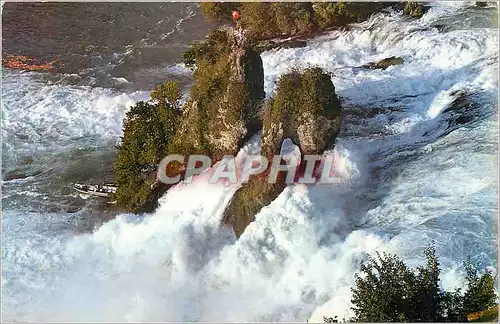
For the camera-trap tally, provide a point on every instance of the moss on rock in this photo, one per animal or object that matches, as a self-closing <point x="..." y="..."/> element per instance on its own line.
<point x="385" y="63"/>
<point x="304" y="109"/>
<point x="266" y="20"/>
<point x="248" y="201"/>
<point x="226" y="96"/>
<point x="414" y="9"/>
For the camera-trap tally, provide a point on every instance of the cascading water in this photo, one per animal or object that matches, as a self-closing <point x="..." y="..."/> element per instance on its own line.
<point x="412" y="171"/>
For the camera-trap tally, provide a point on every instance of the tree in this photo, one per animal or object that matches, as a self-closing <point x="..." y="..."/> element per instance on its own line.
<point x="480" y="293"/>
<point x="425" y="296"/>
<point x="383" y="291"/>
<point x="147" y="129"/>
<point x="386" y="290"/>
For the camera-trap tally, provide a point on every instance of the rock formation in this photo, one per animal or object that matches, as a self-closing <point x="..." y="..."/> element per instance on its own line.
<point x="226" y="96"/>
<point x="219" y="116"/>
<point x="384" y="64"/>
<point x="305" y="110"/>
<point x="414" y="9"/>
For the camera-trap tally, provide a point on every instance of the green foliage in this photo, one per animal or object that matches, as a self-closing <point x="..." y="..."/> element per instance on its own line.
<point x="229" y="82"/>
<point x="480" y="293"/>
<point x="210" y="49"/>
<point x="167" y="94"/>
<point x="264" y="20"/>
<point x="328" y="13"/>
<point x="387" y="290"/>
<point x="338" y="14"/>
<point x="216" y="11"/>
<point x="414" y="9"/>
<point x="310" y="91"/>
<point x="147" y="129"/>
<point x="384" y="294"/>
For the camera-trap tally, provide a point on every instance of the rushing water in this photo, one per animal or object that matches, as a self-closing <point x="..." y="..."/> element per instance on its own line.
<point x="417" y="155"/>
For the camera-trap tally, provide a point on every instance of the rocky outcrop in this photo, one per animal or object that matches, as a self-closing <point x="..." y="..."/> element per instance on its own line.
<point x="226" y="96"/>
<point x="305" y="110"/>
<point x="414" y="9"/>
<point x="220" y="114"/>
<point x="384" y="64"/>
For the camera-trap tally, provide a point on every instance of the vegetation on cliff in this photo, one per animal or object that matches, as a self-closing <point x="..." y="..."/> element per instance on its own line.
<point x="413" y="9"/>
<point x="387" y="290"/>
<point x="264" y="20"/>
<point x="147" y="129"/>
<point x="220" y="114"/>
<point x="226" y="99"/>
<point x="226" y="96"/>
<point x="304" y="109"/>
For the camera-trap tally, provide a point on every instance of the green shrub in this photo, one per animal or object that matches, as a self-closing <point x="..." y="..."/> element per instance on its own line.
<point x="263" y="20"/>
<point x="480" y="293"/>
<point x="386" y="290"/>
<point x="216" y="11"/>
<point x="147" y="129"/>
<point x="337" y="14"/>
<point x="210" y="49"/>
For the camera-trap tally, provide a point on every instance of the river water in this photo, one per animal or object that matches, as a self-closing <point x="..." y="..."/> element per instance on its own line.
<point x="417" y="155"/>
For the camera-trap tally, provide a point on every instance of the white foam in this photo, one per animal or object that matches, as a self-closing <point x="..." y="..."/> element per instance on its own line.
<point x="41" y="117"/>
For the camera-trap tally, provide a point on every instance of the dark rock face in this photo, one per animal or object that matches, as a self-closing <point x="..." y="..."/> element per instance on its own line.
<point x="384" y="64"/>
<point x="305" y="110"/>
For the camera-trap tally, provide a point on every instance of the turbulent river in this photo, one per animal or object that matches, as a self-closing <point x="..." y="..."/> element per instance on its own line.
<point x="417" y="156"/>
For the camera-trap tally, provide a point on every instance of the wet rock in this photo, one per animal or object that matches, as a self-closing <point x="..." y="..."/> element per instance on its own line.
<point x="226" y="97"/>
<point x="384" y="64"/>
<point x="307" y="111"/>
<point x="267" y="45"/>
<point x="414" y="9"/>
<point x="222" y="111"/>
<point x="248" y="201"/>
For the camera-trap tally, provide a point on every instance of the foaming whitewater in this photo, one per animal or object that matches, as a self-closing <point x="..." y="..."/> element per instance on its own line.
<point x="40" y="117"/>
<point x="415" y="166"/>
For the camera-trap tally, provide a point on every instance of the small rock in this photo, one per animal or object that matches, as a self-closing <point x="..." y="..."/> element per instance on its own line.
<point x="384" y="64"/>
<point x="414" y="9"/>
